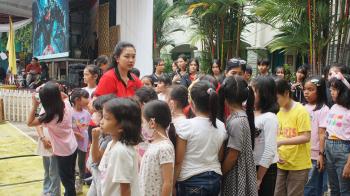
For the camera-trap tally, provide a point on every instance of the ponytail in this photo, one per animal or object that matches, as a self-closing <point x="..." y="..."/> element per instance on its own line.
<point x="221" y="103"/>
<point x="250" y="113"/>
<point x="213" y="107"/>
<point x="171" y="131"/>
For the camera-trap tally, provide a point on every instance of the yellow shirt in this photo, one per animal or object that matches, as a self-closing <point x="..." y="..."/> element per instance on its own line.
<point x="292" y="123"/>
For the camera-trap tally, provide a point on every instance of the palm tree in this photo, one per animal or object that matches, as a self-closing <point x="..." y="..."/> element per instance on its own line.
<point x="217" y="24"/>
<point x="163" y="26"/>
<point x="308" y="28"/>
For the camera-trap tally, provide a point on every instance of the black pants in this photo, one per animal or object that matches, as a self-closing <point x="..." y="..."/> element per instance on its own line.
<point x="81" y="164"/>
<point x="66" y="170"/>
<point x="267" y="187"/>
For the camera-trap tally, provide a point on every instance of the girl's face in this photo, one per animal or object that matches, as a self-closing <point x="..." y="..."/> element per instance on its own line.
<point x="300" y="76"/>
<point x="160" y="67"/>
<point x="127" y="59"/>
<point x="334" y="93"/>
<point x="88" y="77"/>
<point x="109" y="124"/>
<point x="104" y="67"/>
<point x="174" y="67"/>
<point x="283" y="100"/>
<point x="333" y="71"/>
<point x="215" y="69"/>
<point x="160" y="87"/>
<point x="146" y="82"/>
<point x="82" y="102"/>
<point x="193" y="67"/>
<point x="310" y="92"/>
<point x="280" y="73"/>
<point x="182" y="64"/>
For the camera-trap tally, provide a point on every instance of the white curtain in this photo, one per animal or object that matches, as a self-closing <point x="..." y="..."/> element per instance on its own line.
<point x="135" y="18"/>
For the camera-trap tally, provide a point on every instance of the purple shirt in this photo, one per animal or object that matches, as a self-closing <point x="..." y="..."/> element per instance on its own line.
<point x="318" y="120"/>
<point x="81" y="121"/>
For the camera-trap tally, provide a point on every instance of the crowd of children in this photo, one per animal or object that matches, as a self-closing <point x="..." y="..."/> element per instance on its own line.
<point x="190" y="134"/>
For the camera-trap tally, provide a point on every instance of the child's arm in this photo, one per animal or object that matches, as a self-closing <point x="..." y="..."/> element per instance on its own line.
<point x="167" y="174"/>
<point x="303" y="138"/>
<point x="230" y="160"/>
<point x="346" y="171"/>
<point x="43" y="139"/>
<point x="96" y="153"/>
<point x="32" y="121"/>
<point x="180" y="154"/>
<point x="322" y="138"/>
<point x="78" y="135"/>
<point x="125" y="189"/>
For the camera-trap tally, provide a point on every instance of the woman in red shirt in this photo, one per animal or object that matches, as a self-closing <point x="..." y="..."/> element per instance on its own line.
<point x="118" y="79"/>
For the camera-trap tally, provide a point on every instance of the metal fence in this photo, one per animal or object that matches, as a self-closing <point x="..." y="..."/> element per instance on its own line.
<point x="17" y="104"/>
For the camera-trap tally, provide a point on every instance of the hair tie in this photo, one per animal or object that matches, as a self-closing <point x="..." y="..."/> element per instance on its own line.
<point x="210" y="90"/>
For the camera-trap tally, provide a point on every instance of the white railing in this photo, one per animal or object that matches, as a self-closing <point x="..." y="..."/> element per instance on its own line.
<point x="17" y="104"/>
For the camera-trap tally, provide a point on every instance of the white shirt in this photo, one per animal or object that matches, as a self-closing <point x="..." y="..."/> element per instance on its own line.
<point x="90" y="91"/>
<point x="203" y="145"/>
<point x="265" y="150"/>
<point x="157" y="154"/>
<point x="119" y="165"/>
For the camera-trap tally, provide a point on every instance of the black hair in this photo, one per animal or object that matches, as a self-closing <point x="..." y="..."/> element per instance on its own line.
<point x="164" y="79"/>
<point x="342" y="68"/>
<point x="235" y="90"/>
<point x="264" y="62"/>
<point x="51" y="100"/>
<point x="211" y="79"/>
<point x="343" y="91"/>
<point x="320" y="84"/>
<point x="249" y="70"/>
<point x="182" y="56"/>
<point x="93" y="70"/>
<point x="148" y="77"/>
<point x="76" y="94"/>
<point x="234" y="63"/>
<point x="283" y="86"/>
<point x="135" y="71"/>
<point x="35" y="58"/>
<point x="218" y="62"/>
<point x="119" y="48"/>
<point x="266" y="89"/>
<point x="127" y="112"/>
<point x="179" y="93"/>
<point x="205" y="99"/>
<point x="280" y="67"/>
<point x="196" y="61"/>
<point x="146" y="94"/>
<point x="99" y="101"/>
<point x="103" y="59"/>
<point x="303" y="69"/>
<point x="160" y="111"/>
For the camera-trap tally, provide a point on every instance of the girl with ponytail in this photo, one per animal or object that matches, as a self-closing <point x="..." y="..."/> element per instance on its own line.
<point x="238" y="167"/>
<point x="199" y="144"/>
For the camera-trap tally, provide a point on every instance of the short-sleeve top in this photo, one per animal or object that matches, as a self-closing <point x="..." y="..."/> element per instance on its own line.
<point x="119" y="165"/>
<point x="62" y="136"/>
<point x="112" y="83"/>
<point x="156" y="155"/>
<point x="202" y="153"/>
<point x="241" y="179"/>
<point x="291" y="124"/>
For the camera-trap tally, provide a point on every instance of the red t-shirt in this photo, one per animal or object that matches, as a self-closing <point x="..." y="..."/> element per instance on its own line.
<point x="35" y="67"/>
<point x="111" y="82"/>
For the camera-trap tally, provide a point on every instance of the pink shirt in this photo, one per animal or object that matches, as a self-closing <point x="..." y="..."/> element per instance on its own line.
<point x="62" y="136"/>
<point x="318" y="120"/>
<point x="338" y="123"/>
